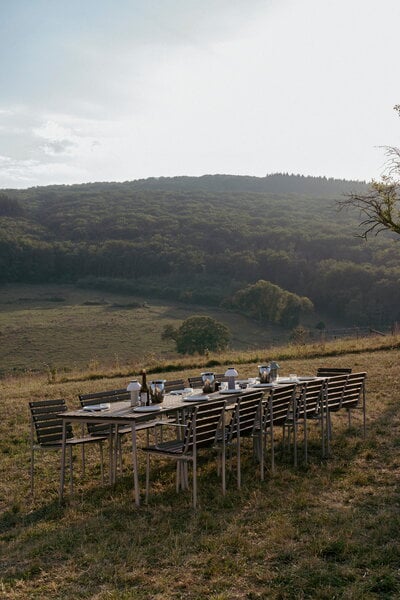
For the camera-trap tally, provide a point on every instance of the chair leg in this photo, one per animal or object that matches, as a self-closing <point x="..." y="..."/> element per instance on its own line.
<point x="101" y="462"/>
<point x="32" y="470"/>
<point x="147" y="477"/>
<point x="194" y="467"/>
<point x="272" y="442"/>
<point x="238" y="466"/>
<point x="71" y="471"/>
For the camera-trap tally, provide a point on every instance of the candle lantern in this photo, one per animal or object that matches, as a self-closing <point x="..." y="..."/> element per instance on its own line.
<point x="274" y="371"/>
<point x="134" y="389"/>
<point x="231" y="374"/>
<point x="264" y="372"/>
<point x="208" y="382"/>
<point x="157" y="389"/>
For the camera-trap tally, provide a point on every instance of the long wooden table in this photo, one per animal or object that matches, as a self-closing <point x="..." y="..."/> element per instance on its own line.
<point x="121" y="413"/>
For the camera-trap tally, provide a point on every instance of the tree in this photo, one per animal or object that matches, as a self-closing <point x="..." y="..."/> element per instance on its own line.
<point x="380" y="207"/>
<point x="199" y="334"/>
<point x="264" y="300"/>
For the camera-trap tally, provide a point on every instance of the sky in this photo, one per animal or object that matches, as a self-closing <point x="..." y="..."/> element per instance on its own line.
<point x="117" y="90"/>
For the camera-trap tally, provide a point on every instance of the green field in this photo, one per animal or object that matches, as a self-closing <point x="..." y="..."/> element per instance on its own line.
<point x="60" y="327"/>
<point x="325" y="531"/>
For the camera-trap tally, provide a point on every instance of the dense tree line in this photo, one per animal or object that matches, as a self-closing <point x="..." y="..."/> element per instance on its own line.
<point x="203" y="246"/>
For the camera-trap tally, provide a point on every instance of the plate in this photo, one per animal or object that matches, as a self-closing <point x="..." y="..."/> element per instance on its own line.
<point x="309" y="378"/>
<point x="236" y="391"/>
<point x="96" y="407"/>
<point x="196" y="398"/>
<point x="287" y="380"/>
<point x="151" y="408"/>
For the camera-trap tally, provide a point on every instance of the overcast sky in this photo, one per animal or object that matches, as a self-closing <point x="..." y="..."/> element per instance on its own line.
<point x="116" y="90"/>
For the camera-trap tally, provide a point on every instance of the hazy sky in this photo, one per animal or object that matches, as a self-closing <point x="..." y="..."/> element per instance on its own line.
<point x="115" y="90"/>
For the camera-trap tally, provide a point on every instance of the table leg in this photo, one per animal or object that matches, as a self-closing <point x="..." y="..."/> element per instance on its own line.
<point x="135" y="466"/>
<point x="62" y="467"/>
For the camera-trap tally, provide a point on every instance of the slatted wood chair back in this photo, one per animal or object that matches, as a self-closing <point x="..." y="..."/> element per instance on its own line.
<point x="205" y="426"/>
<point x="333" y="392"/>
<point x="104" y="397"/>
<point x="247" y="414"/>
<point x="310" y="399"/>
<point x="332" y="371"/>
<point x="354" y="390"/>
<point x="278" y="404"/>
<point x="195" y="381"/>
<point x="174" y="384"/>
<point x="46" y="422"/>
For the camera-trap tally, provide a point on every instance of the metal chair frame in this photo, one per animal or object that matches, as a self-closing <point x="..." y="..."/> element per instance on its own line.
<point x="205" y="424"/>
<point x="46" y="427"/>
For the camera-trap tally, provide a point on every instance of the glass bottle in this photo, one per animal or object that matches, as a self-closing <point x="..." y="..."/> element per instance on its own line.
<point x="144" y="390"/>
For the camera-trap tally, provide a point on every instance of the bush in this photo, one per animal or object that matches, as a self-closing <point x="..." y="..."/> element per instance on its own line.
<point x="201" y="334"/>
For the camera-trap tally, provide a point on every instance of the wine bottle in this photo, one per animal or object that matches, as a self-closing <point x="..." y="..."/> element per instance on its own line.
<point x="144" y="390"/>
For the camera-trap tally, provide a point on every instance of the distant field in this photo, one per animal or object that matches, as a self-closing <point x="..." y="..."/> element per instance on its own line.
<point x="46" y="327"/>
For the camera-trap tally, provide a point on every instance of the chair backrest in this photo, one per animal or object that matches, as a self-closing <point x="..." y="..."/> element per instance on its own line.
<point x="278" y="404"/>
<point x="174" y="384"/>
<point x="195" y="381"/>
<point x="334" y="390"/>
<point x="205" y="423"/>
<point x="332" y="371"/>
<point x="247" y="414"/>
<point x="46" y="422"/>
<point x="105" y="397"/>
<point x="310" y="398"/>
<point x="354" y="389"/>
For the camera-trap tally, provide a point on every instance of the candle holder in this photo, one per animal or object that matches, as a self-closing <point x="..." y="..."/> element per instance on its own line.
<point x="208" y="382"/>
<point x="231" y="374"/>
<point x="157" y="389"/>
<point x="134" y="389"/>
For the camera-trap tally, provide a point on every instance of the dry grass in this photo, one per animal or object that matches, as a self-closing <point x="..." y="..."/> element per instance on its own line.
<point x="326" y="531"/>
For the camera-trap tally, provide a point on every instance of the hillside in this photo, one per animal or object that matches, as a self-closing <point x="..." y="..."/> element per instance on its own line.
<point x="202" y="240"/>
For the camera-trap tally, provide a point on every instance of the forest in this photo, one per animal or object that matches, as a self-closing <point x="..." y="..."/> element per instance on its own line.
<point x="216" y="240"/>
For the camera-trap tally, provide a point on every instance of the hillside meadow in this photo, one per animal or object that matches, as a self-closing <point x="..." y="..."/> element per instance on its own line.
<point x="58" y="328"/>
<point x="327" y="530"/>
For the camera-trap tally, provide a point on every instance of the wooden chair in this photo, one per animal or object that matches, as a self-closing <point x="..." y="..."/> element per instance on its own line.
<point x="46" y="434"/>
<point x="277" y="406"/>
<point x="107" y="397"/>
<point x="308" y="405"/>
<point x="332" y="399"/>
<point x="332" y="371"/>
<point x="205" y="424"/>
<point x="354" y="396"/>
<point x="246" y="415"/>
<point x="174" y="384"/>
<point x="195" y="381"/>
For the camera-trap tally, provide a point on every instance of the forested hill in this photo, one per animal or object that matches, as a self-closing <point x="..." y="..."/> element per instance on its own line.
<point x="277" y="183"/>
<point x="204" y="246"/>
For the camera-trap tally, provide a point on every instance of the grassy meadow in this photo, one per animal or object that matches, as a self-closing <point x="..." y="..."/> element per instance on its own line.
<point x="327" y="530"/>
<point x="62" y="328"/>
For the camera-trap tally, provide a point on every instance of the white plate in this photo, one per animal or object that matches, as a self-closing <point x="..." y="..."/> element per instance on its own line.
<point x="151" y="408"/>
<point x="96" y="407"/>
<point x="236" y="391"/>
<point x="196" y="398"/>
<point x="287" y="380"/>
<point x="309" y="378"/>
